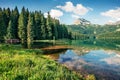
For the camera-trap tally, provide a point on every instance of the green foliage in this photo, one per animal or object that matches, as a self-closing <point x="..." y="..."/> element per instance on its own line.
<point x="77" y="36"/>
<point x="113" y="37"/>
<point x="2" y="26"/>
<point x="43" y="28"/>
<point x="37" y="25"/>
<point x="14" y="26"/>
<point x="49" y="27"/>
<point x="54" y="28"/>
<point x="22" y="27"/>
<point x="30" y="30"/>
<point x="7" y="15"/>
<point x="92" y="31"/>
<point x="10" y="31"/>
<point x="14" y="19"/>
<point x="90" y="77"/>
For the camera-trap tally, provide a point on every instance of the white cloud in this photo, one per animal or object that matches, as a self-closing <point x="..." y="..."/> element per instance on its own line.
<point x="68" y="7"/>
<point x="75" y="16"/>
<point x="45" y="15"/>
<point x="54" y="13"/>
<point x="113" y="13"/>
<point x="111" y="21"/>
<point x="79" y="9"/>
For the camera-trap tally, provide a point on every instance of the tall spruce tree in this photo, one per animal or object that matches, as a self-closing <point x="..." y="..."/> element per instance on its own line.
<point x="59" y="28"/>
<point x="10" y="31"/>
<point x="30" y="30"/>
<point x="2" y="26"/>
<point x="48" y="27"/>
<point x="14" y="18"/>
<point x="37" y="25"/>
<point x="43" y="27"/>
<point x="64" y="31"/>
<point x="6" y="16"/>
<point x="54" y="29"/>
<point x="22" y="27"/>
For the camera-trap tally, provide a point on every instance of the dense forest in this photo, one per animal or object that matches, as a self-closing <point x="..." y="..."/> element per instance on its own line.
<point x="28" y="26"/>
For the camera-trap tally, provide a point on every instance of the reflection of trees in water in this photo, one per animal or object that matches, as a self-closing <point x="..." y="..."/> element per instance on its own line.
<point x="96" y="44"/>
<point x="81" y="52"/>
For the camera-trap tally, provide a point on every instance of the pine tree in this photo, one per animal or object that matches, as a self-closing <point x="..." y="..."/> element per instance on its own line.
<point x="43" y="27"/>
<point x="54" y="28"/>
<point x="65" y="31"/>
<point x="7" y="16"/>
<point x="10" y="31"/>
<point x="22" y="27"/>
<point x="48" y="27"/>
<point x="59" y="28"/>
<point x="6" y="20"/>
<point x="37" y="25"/>
<point x="8" y="13"/>
<point x="2" y="26"/>
<point x="30" y="30"/>
<point x="14" y="18"/>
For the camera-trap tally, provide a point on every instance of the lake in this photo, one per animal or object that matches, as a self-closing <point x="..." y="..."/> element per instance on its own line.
<point x="100" y="58"/>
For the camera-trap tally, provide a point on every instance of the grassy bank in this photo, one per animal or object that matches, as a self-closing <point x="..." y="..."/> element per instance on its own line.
<point x="28" y="64"/>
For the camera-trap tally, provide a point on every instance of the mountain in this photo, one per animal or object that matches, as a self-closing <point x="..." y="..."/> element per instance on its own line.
<point x="93" y="28"/>
<point x="118" y="22"/>
<point x="81" y="21"/>
<point x="113" y="23"/>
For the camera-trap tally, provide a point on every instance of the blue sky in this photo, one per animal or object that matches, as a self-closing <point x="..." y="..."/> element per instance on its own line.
<point x="96" y="11"/>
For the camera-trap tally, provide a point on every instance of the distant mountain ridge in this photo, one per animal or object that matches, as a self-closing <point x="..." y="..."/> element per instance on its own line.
<point x="84" y="26"/>
<point x="81" y="21"/>
<point x="113" y="23"/>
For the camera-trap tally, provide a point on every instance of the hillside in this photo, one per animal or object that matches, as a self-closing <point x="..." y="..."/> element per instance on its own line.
<point x="93" y="29"/>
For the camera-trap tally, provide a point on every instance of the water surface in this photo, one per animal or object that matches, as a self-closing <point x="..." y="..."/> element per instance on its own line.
<point x="100" y="58"/>
<point x="93" y="57"/>
<point x="104" y="64"/>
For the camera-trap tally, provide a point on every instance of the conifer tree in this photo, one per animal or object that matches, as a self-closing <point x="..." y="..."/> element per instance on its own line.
<point x="10" y="31"/>
<point x="37" y="25"/>
<point x="2" y="26"/>
<point x="48" y="27"/>
<point x="14" y="18"/>
<point x="54" y="29"/>
<point x="8" y="14"/>
<point x="22" y="27"/>
<point x="43" y="27"/>
<point x="30" y="30"/>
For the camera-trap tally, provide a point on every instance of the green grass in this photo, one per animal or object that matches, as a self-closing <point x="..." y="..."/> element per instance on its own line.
<point x="17" y="63"/>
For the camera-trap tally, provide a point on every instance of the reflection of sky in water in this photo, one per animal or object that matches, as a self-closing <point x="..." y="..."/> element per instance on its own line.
<point x="106" y="62"/>
<point x="102" y="57"/>
<point x="96" y="56"/>
<point x="68" y="56"/>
